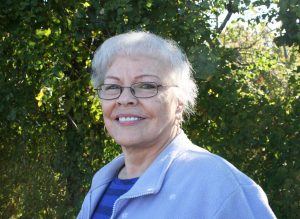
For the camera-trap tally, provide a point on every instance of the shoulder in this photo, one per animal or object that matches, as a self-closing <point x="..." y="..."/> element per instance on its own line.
<point x="202" y="164"/>
<point x="219" y="184"/>
<point x="198" y="162"/>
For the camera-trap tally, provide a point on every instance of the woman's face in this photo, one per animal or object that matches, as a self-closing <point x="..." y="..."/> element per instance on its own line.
<point x="140" y="122"/>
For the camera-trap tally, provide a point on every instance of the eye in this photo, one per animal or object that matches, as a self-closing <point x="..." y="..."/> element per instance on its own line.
<point x="146" y="85"/>
<point x="107" y="87"/>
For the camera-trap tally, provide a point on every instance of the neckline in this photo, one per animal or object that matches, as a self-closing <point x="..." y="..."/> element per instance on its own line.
<point x="117" y="180"/>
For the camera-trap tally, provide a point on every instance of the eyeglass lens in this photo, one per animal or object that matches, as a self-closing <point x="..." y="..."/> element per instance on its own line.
<point x="139" y="90"/>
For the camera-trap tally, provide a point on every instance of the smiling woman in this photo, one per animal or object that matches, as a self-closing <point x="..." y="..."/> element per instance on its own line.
<point x="151" y="119"/>
<point x="145" y="84"/>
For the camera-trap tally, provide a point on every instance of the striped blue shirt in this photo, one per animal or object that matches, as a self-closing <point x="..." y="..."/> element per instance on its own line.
<point x="115" y="189"/>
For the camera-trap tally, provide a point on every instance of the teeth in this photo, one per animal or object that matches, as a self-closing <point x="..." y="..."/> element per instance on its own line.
<point x="127" y="119"/>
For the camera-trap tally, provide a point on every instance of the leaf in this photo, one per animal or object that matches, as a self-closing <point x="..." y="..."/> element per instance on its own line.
<point x="39" y="97"/>
<point x="86" y="4"/>
<point x="40" y="32"/>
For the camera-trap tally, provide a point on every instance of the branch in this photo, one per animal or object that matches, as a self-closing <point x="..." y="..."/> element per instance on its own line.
<point x="72" y="121"/>
<point x="285" y="52"/>
<point x="247" y="47"/>
<point x="228" y="16"/>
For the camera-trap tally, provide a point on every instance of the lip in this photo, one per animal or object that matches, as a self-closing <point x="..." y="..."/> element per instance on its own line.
<point x="129" y="119"/>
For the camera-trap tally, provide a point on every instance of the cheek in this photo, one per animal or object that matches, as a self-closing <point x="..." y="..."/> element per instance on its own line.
<point x="167" y="108"/>
<point x="107" y="110"/>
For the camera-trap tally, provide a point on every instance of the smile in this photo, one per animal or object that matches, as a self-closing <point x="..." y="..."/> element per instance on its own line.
<point x="129" y="119"/>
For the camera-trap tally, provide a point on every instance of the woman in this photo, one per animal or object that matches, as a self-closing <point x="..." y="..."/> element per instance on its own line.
<point x="145" y="84"/>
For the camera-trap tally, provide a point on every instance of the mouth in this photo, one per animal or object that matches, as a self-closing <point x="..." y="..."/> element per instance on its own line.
<point x="129" y="118"/>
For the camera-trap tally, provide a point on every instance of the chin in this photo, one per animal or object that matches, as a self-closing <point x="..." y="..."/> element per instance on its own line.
<point x="126" y="141"/>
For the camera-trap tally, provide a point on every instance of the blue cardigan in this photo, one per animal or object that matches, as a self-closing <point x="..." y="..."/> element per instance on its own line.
<point x="184" y="181"/>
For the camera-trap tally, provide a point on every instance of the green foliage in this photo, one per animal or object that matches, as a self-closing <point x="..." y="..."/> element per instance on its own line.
<point x="289" y="15"/>
<point x="52" y="139"/>
<point x="250" y="116"/>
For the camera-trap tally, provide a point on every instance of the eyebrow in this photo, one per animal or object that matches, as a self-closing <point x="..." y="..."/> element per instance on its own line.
<point x="140" y="76"/>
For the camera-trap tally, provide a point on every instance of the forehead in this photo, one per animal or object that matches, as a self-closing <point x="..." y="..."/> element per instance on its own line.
<point x="137" y="67"/>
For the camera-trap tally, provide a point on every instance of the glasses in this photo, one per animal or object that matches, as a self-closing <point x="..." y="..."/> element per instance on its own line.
<point x="138" y="90"/>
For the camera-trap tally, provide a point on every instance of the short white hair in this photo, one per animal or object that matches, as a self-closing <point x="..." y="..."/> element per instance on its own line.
<point x="149" y="45"/>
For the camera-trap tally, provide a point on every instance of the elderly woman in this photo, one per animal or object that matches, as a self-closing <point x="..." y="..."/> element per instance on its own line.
<point x="145" y="85"/>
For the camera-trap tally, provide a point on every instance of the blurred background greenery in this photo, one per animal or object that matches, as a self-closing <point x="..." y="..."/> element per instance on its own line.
<point x="51" y="131"/>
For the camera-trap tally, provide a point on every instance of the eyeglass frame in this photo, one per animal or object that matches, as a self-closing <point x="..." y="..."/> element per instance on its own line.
<point x="132" y="91"/>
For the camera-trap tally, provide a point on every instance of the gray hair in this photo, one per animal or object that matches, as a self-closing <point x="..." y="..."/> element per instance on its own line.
<point x="153" y="46"/>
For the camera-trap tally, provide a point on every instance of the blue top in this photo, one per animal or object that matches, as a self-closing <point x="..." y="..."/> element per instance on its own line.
<point x="115" y="189"/>
<point x="184" y="181"/>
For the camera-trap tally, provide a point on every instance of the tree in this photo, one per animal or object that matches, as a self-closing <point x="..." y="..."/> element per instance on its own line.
<point x="51" y="131"/>
<point x="289" y="15"/>
<point x="250" y="115"/>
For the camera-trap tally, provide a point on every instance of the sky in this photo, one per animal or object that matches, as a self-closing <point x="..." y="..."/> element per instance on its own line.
<point x="251" y="14"/>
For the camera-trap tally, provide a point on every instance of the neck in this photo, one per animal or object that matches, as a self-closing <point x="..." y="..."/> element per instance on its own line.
<point x="138" y="159"/>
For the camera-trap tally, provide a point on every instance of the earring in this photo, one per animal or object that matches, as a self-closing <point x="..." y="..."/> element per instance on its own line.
<point x="105" y="131"/>
<point x="179" y="120"/>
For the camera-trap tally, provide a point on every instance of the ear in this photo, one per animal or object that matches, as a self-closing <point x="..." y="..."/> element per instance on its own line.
<point x="179" y="108"/>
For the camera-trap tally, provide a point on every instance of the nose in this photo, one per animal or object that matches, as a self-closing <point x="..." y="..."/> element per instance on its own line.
<point x="126" y="97"/>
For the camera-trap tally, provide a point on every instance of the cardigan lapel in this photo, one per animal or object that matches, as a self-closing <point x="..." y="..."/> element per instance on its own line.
<point x="101" y="180"/>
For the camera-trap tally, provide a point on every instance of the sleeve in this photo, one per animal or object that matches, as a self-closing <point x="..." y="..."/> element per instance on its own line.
<point x="85" y="208"/>
<point x="249" y="202"/>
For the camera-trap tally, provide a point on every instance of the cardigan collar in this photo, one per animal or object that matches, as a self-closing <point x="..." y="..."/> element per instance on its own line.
<point x="149" y="182"/>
